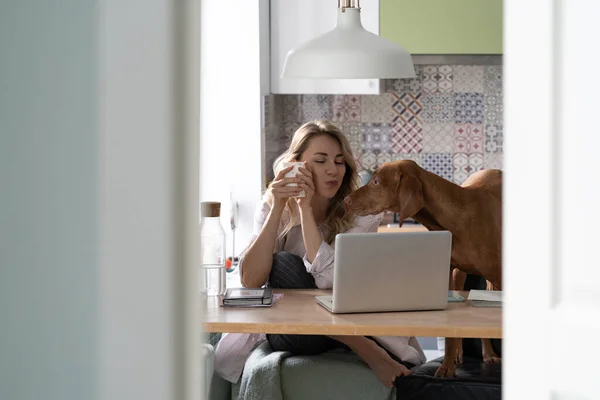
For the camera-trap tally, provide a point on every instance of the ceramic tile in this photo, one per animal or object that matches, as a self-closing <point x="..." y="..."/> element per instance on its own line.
<point x="407" y="128"/>
<point x="268" y="111"/>
<point x="387" y="85"/>
<point x="376" y="137"/>
<point x="292" y="108"/>
<point x="438" y="163"/>
<point x="382" y="158"/>
<point x="316" y="107"/>
<point x="468" y="138"/>
<point x="274" y="109"/>
<point x="414" y="85"/>
<point x="493" y="160"/>
<point x="272" y="135"/>
<point x="448" y="121"/>
<point x="438" y="137"/>
<point x="407" y="137"/>
<point x="407" y="107"/>
<point x="438" y="107"/>
<point x="346" y="108"/>
<point x="494" y="109"/>
<point x="468" y="78"/>
<point x="492" y="79"/>
<point x="377" y="108"/>
<point x="271" y="132"/>
<point x="368" y="161"/>
<point x="469" y="108"/>
<point x="493" y="139"/>
<point x="465" y="165"/>
<point x="354" y="135"/>
<point x="437" y="79"/>
<point x="416" y="157"/>
<point x="288" y="131"/>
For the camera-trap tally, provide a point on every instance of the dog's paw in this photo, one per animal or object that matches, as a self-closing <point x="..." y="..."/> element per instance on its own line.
<point x="491" y="359"/>
<point x="445" y="371"/>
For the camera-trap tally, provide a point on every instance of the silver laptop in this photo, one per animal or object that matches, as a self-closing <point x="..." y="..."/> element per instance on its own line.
<point x="391" y="271"/>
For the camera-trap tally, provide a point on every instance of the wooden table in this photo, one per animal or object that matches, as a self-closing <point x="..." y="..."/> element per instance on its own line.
<point x="298" y="313"/>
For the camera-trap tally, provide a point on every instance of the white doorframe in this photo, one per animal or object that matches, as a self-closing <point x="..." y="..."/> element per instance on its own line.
<point x="551" y="194"/>
<point x="149" y="324"/>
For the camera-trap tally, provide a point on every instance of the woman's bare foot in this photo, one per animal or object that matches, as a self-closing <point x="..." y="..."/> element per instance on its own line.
<point x="385" y="367"/>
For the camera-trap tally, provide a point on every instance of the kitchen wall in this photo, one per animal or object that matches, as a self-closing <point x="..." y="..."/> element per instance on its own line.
<point x="448" y="119"/>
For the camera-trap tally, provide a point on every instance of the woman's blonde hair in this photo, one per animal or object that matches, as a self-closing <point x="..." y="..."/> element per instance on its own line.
<point x="336" y="220"/>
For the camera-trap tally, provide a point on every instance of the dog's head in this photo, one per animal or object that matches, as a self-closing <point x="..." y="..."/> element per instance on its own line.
<point x="395" y="187"/>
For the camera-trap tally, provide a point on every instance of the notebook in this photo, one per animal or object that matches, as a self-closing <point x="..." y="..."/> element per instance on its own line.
<point x="248" y="297"/>
<point x="485" y="298"/>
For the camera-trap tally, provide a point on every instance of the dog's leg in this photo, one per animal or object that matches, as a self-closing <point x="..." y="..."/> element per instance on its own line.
<point x="488" y="353"/>
<point x="458" y="283"/>
<point x="448" y="367"/>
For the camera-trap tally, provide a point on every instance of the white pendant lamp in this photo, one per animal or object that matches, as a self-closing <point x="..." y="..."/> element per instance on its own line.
<point x="348" y="52"/>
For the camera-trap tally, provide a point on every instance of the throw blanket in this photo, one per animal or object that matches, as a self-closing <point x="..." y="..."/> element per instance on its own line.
<point x="261" y="378"/>
<point x="331" y="375"/>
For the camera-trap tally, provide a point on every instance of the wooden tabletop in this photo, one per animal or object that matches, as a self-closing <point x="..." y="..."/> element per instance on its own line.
<point x="298" y="313"/>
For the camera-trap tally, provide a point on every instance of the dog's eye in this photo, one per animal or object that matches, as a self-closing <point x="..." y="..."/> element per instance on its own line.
<point x="375" y="180"/>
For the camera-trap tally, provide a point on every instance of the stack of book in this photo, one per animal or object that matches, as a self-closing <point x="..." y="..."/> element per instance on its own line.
<point x="242" y="297"/>
<point x="485" y="298"/>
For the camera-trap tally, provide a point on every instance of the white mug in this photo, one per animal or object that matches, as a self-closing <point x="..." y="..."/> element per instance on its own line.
<point x="293" y="173"/>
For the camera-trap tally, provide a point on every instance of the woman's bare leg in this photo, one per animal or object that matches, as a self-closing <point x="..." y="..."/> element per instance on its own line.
<point x="385" y="367"/>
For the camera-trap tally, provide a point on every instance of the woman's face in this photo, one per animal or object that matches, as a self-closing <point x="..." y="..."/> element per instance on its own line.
<point x="324" y="155"/>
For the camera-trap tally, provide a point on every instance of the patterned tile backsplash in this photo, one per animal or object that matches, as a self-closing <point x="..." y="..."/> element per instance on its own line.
<point x="448" y="120"/>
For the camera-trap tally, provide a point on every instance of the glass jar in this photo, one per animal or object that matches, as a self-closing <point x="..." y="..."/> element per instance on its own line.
<point x="211" y="276"/>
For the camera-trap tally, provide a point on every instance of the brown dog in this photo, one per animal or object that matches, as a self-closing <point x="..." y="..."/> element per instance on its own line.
<point x="472" y="212"/>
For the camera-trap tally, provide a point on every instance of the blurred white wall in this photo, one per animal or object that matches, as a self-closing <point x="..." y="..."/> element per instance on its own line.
<point x="98" y="203"/>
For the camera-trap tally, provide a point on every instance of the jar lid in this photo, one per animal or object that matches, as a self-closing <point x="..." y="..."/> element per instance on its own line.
<point x="210" y="209"/>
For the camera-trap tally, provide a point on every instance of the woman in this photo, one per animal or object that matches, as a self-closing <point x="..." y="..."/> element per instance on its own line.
<point x="293" y="248"/>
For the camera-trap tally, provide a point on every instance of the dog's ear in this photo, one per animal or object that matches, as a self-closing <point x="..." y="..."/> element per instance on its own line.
<point x="410" y="196"/>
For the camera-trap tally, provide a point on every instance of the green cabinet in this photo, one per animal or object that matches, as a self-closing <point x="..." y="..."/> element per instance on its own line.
<point x="443" y="26"/>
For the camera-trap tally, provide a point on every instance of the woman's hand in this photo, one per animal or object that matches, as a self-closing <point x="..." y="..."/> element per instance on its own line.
<point x="280" y="191"/>
<point x="306" y="184"/>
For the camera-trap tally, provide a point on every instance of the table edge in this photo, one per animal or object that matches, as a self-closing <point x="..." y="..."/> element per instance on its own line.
<point x="316" y="329"/>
